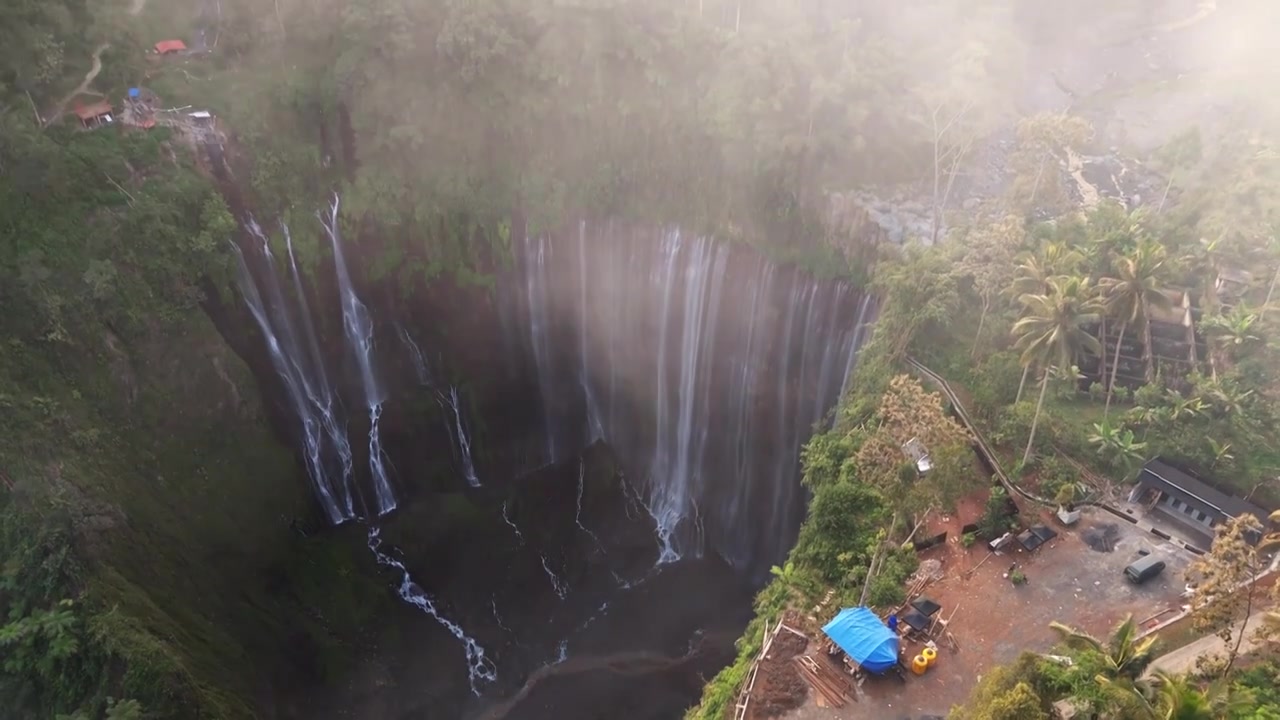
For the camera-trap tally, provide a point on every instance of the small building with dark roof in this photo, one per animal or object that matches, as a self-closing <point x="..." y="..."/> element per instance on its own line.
<point x="1185" y="496"/>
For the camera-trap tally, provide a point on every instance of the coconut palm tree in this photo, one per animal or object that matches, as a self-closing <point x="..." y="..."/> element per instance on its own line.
<point x="1051" y="332"/>
<point x="1036" y="270"/>
<point x="1130" y="297"/>
<point x="1125" y="655"/>
<point x="1125" y="658"/>
<point x="1230" y="334"/>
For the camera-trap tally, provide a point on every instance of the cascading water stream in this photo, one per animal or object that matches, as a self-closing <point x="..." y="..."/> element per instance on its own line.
<point x="308" y="392"/>
<point x="448" y="402"/>
<point x="460" y="437"/>
<point x="703" y="365"/>
<point x="479" y="667"/>
<point x="507" y="519"/>
<point x="300" y="365"/>
<point x="358" y="327"/>
<point x="594" y="429"/>
<point x="536" y="288"/>
<point x="577" y="515"/>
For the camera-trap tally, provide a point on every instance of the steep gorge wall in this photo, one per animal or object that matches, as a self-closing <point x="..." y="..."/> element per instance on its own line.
<point x="703" y="363"/>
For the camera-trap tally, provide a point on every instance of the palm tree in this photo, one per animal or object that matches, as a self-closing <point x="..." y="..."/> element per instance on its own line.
<point x="1117" y="445"/>
<point x="1125" y="658"/>
<point x="1125" y="655"/>
<point x="1033" y="274"/>
<point x="1035" y="271"/>
<point x="1131" y="295"/>
<point x="1052" y="332"/>
<point x="1229" y="334"/>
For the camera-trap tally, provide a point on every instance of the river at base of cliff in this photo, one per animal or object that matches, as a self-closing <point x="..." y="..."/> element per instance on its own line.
<point x="555" y="578"/>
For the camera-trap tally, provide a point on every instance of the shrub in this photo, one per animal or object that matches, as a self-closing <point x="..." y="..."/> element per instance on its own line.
<point x="968" y="539"/>
<point x="1017" y="577"/>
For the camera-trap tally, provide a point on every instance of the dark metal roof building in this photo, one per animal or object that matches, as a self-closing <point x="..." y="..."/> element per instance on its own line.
<point x="1192" y="496"/>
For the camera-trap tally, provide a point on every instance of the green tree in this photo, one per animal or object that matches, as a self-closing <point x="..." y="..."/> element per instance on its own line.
<point x="1126" y="656"/>
<point x="1006" y="692"/>
<point x="1130" y="296"/>
<point x="988" y="259"/>
<point x="1231" y="335"/>
<point x="1180" y="698"/>
<point x="1117" y="446"/>
<point x="1051" y="333"/>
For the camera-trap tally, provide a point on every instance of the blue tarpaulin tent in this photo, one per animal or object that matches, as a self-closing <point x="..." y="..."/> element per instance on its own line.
<point x="863" y="635"/>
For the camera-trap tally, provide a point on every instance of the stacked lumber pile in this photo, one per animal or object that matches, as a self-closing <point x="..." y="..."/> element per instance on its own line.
<point x="831" y="685"/>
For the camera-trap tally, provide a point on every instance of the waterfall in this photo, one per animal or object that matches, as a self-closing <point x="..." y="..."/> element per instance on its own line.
<point x="561" y="588"/>
<point x="594" y="429"/>
<point x="577" y="514"/>
<point x="323" y="435"/>
<point x="507" y="518"/>
<point x="536" y="263"/>
<point x="448" y="402"/>
<point x="479" y="667"/>
<point x="460" y="437"/>
<point x="358" y="327"/>
<point x="704" y="364"/>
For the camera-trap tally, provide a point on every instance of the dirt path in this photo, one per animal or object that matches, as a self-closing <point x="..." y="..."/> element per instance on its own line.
<point x="83" y="87"/>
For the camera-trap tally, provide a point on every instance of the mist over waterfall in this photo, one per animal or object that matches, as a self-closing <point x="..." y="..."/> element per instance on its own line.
<point x="704" y="364"/>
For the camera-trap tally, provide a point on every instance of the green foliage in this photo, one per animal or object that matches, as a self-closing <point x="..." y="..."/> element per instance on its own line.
<point x="843" y="519"/>
<point x="995" y="515"/>
<point x="1005" y="693"/>
<point x="1264" y="682"/>
<point x="888" y="588"/>
<point x="1117" y="446"/>
<point x="918" y="293"/>
<point x="968" y="539"/>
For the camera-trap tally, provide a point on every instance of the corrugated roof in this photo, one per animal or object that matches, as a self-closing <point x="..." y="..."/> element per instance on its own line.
<point x="87" y="112"/>
<point x="1195" y="492"/>
<point x="165" y="46"/>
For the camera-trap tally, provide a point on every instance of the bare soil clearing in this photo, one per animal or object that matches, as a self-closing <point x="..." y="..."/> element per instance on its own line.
<point x="1076" y="578"/>
<point x="779" y="687"/>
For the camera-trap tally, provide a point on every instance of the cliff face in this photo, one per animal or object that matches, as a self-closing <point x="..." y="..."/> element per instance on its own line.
<point x="703" y="364"/>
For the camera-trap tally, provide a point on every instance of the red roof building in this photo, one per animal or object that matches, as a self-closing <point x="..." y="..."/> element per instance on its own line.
<point x="164" y="47"/>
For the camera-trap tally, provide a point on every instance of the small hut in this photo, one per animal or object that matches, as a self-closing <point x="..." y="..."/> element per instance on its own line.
<point x="95" y="115"/>
<point x="170" y="47"/>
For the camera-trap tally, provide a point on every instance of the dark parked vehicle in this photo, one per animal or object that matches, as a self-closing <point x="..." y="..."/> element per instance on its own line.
<point x="1143" y="569"/>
